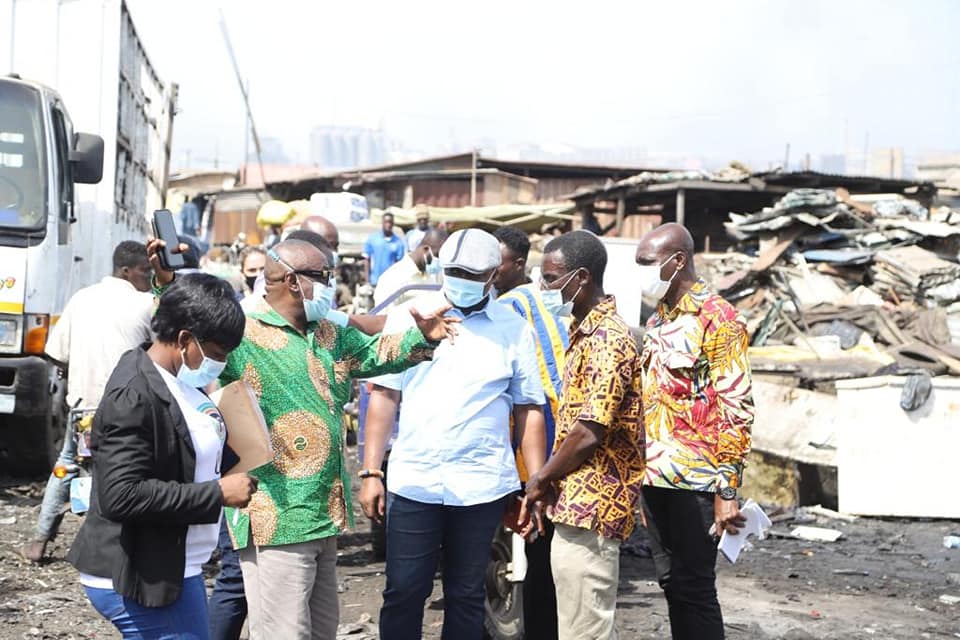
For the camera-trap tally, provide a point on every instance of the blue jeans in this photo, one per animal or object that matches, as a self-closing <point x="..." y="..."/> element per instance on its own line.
<point x="185" y="619"/>
<point x="228" y="602"/>
<point x="417" y="535"/>
<point x="57" y="492"/>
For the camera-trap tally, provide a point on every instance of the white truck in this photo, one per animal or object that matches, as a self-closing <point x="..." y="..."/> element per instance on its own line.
<point x="85" y="57"/>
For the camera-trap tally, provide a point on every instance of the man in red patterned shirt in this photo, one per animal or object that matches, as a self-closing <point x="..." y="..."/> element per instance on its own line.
<point x="698" y="412"/>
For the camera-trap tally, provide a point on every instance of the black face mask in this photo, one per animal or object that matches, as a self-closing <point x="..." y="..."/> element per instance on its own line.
<point x="251" y="280"/>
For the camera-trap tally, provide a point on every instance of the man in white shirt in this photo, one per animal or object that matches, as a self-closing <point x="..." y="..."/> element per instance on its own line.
<point x="420" y="266"/>
<point x="416" y="235"/>
<point x="452" y="470"/>
<point x="99" y="324"/>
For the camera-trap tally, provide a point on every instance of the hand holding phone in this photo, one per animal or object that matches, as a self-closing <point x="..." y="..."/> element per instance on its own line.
<point x="163" y="229"/>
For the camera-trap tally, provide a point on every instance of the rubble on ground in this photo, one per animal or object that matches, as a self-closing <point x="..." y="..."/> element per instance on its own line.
<point x="834" y="286"/>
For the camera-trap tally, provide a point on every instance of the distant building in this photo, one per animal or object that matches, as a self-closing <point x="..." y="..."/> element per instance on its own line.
<point x="455" y="181"/>
<point x="835" y="163"/>
<point x="941" y="169"/>
<point x="335" y="147"/>
<point x="888" y="163"/>
<point x="272" y="152"/>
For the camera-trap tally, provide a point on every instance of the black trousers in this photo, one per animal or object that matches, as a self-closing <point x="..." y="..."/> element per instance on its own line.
<point x="539" y="592"/>
<point x="685" y="555"/>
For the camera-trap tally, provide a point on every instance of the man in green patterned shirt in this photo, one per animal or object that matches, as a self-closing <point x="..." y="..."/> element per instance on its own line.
<point x="300" y="366"/>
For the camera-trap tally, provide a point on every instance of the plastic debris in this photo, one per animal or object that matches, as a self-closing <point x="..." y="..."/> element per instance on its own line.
<point x="816" y="534"/>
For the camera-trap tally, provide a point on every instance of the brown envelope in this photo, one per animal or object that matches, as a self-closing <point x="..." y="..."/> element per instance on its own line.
<point x="247" y="433"/>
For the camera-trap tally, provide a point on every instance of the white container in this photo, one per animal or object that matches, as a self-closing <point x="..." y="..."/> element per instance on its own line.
<point x="896" y="463"/>
<point x="340" y="208"/>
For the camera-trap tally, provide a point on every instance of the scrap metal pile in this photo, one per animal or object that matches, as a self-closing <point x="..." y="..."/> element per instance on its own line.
<point x="836" y="287"/>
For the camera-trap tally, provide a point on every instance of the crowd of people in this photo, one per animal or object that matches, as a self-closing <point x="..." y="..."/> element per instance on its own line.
<point x="517" y="401"/>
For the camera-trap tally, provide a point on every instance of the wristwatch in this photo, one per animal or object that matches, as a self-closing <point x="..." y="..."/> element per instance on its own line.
<point x="727" y="493"/>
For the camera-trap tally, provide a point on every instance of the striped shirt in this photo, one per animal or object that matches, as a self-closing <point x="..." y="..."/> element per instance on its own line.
<point x="552" y="340"/>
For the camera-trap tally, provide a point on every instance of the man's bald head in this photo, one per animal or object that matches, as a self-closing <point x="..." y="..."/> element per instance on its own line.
<point x="669" y="247"/>
<point x="430" y="244"/>
<point x="319" y="224"/>
<point x="664" y="242"/>
<point x="434" y="238"/>
<point x="294" y="254"/>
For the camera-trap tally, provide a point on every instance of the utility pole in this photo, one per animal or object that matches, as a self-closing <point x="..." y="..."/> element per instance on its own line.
<point x="786" y="159"/>
<point x="866" y="153"/>
<point x="473" y="178"/>
<point x="246" y="133"/>
<point x="13" y="33"/>
<point x="246" y="97"/>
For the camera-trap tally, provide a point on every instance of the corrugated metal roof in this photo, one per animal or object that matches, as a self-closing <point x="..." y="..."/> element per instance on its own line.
<point x="526" y="217"/>
<point x="673" y="180"/>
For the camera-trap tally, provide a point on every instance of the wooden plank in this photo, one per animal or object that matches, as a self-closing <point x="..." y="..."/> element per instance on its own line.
<point x="769" y="257"/>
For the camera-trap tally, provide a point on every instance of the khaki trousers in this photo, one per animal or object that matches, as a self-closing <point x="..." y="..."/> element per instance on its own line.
<point x="292" y="590"/>
<point x="586" y="570"/>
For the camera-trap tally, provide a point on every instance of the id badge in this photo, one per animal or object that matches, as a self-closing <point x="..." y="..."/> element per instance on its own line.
<point x="80" y="494"/>
<point x="83" y="445"/>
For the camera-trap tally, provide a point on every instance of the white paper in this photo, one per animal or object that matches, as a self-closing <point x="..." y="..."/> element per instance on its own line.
<point x="757" y="525"/>
<point x="816" y="534"/>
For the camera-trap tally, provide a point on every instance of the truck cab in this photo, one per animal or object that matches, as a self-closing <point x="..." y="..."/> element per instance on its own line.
<point x="41" y="158"/>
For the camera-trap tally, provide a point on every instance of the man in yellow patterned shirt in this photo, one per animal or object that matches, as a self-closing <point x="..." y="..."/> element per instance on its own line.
<point x="698" y="411"/>
<point x="598" y="457"/>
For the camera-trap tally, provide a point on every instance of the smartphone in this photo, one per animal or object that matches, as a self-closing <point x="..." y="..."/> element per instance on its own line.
<point x="164" y="229"/>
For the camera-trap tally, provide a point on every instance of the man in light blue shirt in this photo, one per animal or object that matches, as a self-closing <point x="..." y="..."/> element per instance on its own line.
<point x="452" y="468"/>
<point x="382" y="250"/>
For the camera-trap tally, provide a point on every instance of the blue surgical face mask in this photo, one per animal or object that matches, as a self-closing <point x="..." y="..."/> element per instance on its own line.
<point x="318" y="308"/>
<point x="433" y="265"/>
<point x="463" y="293"/>
<point x="208" y="371"/>
<point x="553" y="300"/>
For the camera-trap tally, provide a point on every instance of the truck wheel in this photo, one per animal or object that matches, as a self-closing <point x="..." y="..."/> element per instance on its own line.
<point x="32" y="445"/>
<point x="504" y="600"/>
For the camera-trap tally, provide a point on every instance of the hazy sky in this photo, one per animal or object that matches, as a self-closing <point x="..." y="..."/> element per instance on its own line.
<point x="722" y="80"/>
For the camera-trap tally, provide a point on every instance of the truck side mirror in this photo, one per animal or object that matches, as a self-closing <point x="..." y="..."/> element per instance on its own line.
<point x="86" y="158"/>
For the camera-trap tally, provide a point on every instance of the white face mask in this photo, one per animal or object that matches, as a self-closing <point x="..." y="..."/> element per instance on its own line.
<point x="652" y="286"/>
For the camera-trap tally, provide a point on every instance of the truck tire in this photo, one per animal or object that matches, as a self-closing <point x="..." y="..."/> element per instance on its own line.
<point x="504" y="599"/>
<point x="32" y="445"/>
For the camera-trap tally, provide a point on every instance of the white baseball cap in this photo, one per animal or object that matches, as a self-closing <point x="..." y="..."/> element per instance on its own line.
<point x="473" y="250"/>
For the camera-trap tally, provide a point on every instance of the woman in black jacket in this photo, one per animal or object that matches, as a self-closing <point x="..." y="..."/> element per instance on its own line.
<point x="157" y="445"/>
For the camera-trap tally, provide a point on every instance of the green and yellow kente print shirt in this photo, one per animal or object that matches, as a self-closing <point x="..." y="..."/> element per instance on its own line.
<point x="302" y="382"/>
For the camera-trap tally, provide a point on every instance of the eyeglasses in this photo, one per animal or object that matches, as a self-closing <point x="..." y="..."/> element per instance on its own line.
<point x="321" y="275"/>
<point x="552" y="282"/>
<point x="314" y="275"/>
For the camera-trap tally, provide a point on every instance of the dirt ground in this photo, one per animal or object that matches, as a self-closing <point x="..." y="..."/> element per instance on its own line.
<point x="883" y="579"/>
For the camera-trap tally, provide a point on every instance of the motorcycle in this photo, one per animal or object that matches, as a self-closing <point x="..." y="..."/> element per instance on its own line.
<point x="77" y="471"/>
